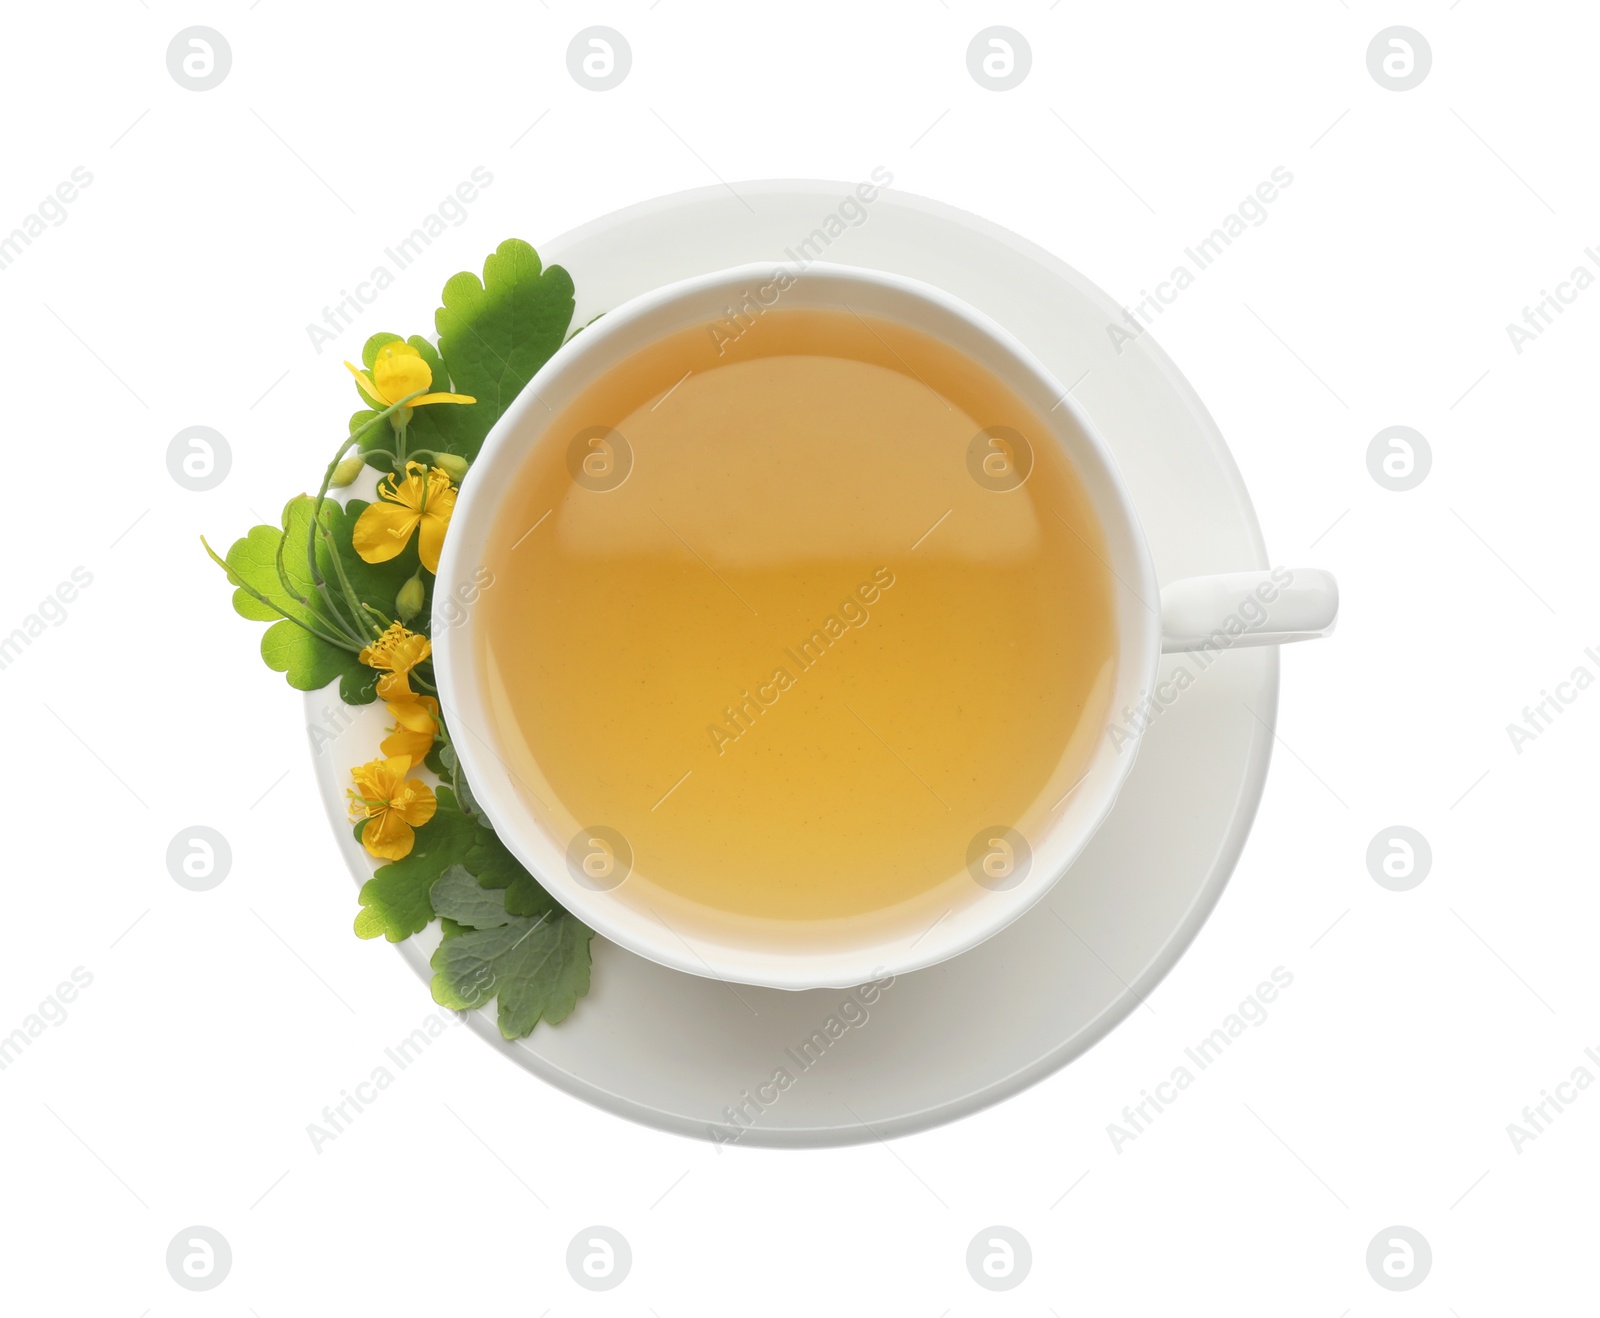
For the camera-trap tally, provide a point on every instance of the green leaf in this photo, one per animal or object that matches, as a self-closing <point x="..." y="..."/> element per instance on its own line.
<point x="253" y="561"/>
<point x="309" y="660"/>
<point x="450" y="768"/>
<point x="537" y="967"/>
<point x="467" y="904"/>
<point x="489" y="860"/>
<point x="494" y="335"/>
<point x="309" y="663"/>
<point x="358" y="684"/>
<point x="394" y="901"/>
<point x="496" y="867"/>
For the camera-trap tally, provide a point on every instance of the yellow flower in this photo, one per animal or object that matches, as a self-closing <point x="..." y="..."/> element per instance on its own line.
<point x="399" y="370"/>
<point x="392" y="804"/>
<point x="416" y="723"/>
<point x="396" y="653"/>
<point x="423" y="499"/>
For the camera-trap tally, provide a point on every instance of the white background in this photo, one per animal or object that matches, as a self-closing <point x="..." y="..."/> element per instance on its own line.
<point x="218" y="1024"/>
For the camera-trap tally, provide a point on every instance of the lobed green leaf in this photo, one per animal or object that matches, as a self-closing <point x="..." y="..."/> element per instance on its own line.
<point x="536" y="967"/>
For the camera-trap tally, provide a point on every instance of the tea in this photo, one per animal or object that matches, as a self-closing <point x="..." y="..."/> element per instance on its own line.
<point x="784" y="619"/>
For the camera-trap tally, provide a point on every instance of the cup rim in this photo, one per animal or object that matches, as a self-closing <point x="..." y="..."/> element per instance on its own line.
<point x="570" y="368"/>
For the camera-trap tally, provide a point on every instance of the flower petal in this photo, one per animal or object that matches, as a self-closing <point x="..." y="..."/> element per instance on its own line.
<point x="389" y="777"/>
<point x="409" y="743"/>
<point x="431" y="540"/>
<point x="388" y="836"/>
<point x="406" y="650"/>
<point x="396" y="653"/>
<point x="394" y="686"/>
<point x="382" y="531"/>
<point x="438" y="510"/>
<point x="420" y="807"/>
<point x="440" y="398"/>
<point x="415" y="715"/>
<point x="372" y="783"/>
<point x="416" y="725"/>
<point x="367" y="387"/>
<point x="399" y="370"/>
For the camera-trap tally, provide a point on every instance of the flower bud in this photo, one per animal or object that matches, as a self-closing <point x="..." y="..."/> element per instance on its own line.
<point x="408" y="600"/>
<point x="347" y="470"/>
<point x="453" y="466"/>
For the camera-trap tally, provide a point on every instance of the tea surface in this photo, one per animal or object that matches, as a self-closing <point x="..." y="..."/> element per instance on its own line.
<point x="773" y="617"/>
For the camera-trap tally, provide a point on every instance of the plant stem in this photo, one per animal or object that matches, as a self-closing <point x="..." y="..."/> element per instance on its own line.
<point x="256" y="595"/>
<point x="340" y="623"/>
<point x="327" y="477"/>
<point x="322" y="494"/>
<point x="384" y="620"/>
<point x="351" y="598"/>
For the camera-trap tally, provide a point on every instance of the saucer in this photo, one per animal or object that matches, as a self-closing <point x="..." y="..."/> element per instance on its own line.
<point x="828" y="1067"/>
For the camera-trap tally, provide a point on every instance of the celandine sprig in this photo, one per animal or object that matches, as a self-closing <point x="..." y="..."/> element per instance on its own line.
<point x="354" y="610"/>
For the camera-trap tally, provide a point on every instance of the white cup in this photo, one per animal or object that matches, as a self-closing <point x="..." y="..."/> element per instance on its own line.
<point x="1211" y="613"/>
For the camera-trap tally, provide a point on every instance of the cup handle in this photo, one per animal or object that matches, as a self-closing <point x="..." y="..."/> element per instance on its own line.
<point x="1248" y="608"/>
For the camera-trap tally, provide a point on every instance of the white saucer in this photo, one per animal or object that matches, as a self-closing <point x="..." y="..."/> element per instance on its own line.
<point x="674" y="1050"/>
